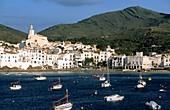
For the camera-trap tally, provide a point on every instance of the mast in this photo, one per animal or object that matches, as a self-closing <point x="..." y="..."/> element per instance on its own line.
<point x="108" y="71"/>
<point x="67" y="94"/>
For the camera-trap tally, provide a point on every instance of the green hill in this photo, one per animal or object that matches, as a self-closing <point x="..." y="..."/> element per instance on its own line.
<point x="11" y="35"/>
<point x="129" y="30"/>
<point x="108" y="24"/>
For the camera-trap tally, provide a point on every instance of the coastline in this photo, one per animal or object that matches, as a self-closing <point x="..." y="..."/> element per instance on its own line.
<point x="79" y="70"/>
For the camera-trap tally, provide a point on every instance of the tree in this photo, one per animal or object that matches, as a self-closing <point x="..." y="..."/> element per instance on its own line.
<point x="88" y="60"/>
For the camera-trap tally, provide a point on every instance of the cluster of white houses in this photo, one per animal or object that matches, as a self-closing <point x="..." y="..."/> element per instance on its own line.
<point x="37" y="51"/>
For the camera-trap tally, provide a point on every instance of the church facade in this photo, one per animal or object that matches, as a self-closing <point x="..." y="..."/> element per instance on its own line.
<point x="34" y="40"/>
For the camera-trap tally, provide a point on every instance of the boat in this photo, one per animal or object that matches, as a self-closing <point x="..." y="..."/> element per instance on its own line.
<point x="114" y="97"/>
<point x="19" y="73"/>
<point x="57" y="86"/>
<point x="141" y="81"/>
<point x="139" y="86"/>
<point x="162" y="90"/>
<point x="7" y="73"/>
<point x="107" y="82"/>
<point x="66" y="106"/>
<point x="98" y="75"/>
<point x="102" y="78"/>
<point x="15" y="85"/>
<point x="153" y="105"/>
<point x="40" y="78"/>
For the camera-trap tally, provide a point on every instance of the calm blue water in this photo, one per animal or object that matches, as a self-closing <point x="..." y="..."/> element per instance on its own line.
<point x="35" y="94"/>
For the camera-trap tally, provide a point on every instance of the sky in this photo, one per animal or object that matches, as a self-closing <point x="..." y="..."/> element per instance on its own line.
<point x="42" y="14"/>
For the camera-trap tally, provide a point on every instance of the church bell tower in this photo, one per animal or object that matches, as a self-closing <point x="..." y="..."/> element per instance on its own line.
<point x="31" y="32"/>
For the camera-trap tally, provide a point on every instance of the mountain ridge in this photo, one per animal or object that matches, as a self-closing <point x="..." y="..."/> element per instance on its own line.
<point x="108" y="23"/>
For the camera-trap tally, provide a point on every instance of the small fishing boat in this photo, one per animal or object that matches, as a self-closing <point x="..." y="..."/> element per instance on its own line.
<point x="7" y="73"/>
<point x="57" y="86"/>
<point x="106" y="84"/>
<point x="102" y="78"/>
<point x="15" y="85"/>
<point x="114" y="97"/>
<point x="98" y="75"/>
<point x="19" y="73"/>
<point x="141" y="81"/>
<point x="153" y="105"/>
<point x="40" y="78"/>
<point x="162" y="90"/>
<point x="66" y="106"/>
<point x="139" y="86"/>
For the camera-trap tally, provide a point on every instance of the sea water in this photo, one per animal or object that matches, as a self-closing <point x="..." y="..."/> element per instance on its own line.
<point x="36" y="95"/>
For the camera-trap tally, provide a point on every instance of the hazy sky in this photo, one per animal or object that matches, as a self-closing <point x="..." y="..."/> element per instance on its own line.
<point x="20" y="14"/>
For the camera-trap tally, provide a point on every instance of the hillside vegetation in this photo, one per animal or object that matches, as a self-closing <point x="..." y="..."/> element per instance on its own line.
<point x="11" y="35"/>
<point x="129" y="30"/>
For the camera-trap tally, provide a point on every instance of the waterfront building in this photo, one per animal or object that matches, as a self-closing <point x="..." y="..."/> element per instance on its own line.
<point x="138" y="62"/>
<point x="166" y="60"/>
<point x="117" y="61"/>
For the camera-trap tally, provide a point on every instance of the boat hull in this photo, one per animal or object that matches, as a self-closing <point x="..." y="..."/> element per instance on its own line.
<point x="40" y="78"/>
<point x="153" y="105"/>
<point x="102" y="79"/>
<point x="113" y="98"/>
<point x="57" y="86"/>
<point x="16" y="87"/>
<point x="95" y="75"/>
<point x="106" y="85"/>
<point x="139" y="86"/>
<point x="66" y="106"/>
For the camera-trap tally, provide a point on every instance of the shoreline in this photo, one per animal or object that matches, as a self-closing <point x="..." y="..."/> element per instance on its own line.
<point x="79" y="70"/>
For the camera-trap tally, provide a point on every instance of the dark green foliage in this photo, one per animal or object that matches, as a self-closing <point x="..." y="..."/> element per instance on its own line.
<point x="11" y="35"/>
<point x="129" y="30"/>
<point x="88" y="60"/>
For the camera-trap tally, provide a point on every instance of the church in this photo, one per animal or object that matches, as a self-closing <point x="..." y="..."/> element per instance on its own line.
<point x="34" y="40"/>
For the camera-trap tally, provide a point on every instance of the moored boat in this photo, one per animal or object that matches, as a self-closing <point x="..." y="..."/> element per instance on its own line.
<point x="57" y="86"/>
<point x="114" y="97"/>
<point x="139" y="86"/>
<point x="66" y="106"/>
<point x="102" y="78"/>
<point x="106" y="84"/>
<point x="15" y="85"/>
<point x="40" y="78"/>
<point x="98" y="75"/>
<point x="153" y="105"/>
<point x="162" y="90"/>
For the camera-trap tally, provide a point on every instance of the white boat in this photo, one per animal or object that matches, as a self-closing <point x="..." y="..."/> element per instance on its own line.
<point x="107" y="82"/>
<point x="102" y="78"/>
<point x="15" y="86"/>
<point x="141" y="81"/>
<point x="40" y="78"/>
<point x="153" y="105"/>
<point x="139" y="86"/>
<point x="115" y="97"/>
<point x="57" y="86"/>
<point x="66" y="106"/>
<point x="162" y="90"/>
<point x="6" y="73"/>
